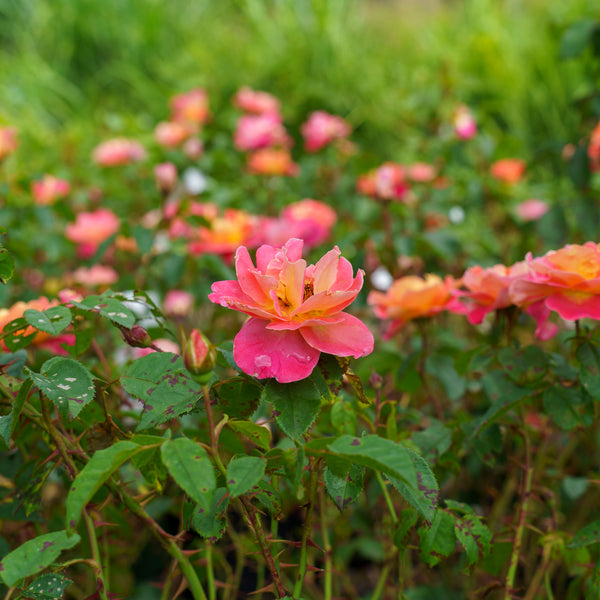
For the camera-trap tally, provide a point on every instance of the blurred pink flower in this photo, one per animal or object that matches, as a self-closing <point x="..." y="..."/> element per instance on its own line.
<point x="508" y="170"/>
<point x="91" y="229"/>
<point x="308" y="220"/>
<point x="260" y="131"/>
<point x="593" y="149"/>
<point x="566" y="281"/>
<point x="191" y="108"/>
<point x="322" y="128"/>
<point x="465" y="126"/>
<point x="531" y="210"/>
<point x="421" y="172"/>
<point x="257" y="102"/>
<point x="8" y="141"/>
<point x="49" y="189"/>
<point x="165" y="175"/>
<point x="271" y="162"/>
<point x="118" y="151"/>
<point x="295" y="311"/>
<point x="164" y="345"/>
<point x="94" y="276"/>
<point x="178" y="303"/>
<point x="224" y="234"/>
<point x="411" y="297"/>
<point x="487" y="289"/>
<point x="171" y="133"/>
<point x="193" y="148"/>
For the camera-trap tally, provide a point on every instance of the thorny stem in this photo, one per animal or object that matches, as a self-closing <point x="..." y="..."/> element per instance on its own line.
<point x="61" y="446"/>
<point x="253" y="522"/>
<point x="525" y="495"/>
<point x="165" y="539"/>
<point x="248" y="511"/>
<point x="314" y="474"/>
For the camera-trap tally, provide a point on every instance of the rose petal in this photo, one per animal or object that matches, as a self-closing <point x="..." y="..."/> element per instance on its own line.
<point x="349" y="337"/>
<point x="263" y="353"/>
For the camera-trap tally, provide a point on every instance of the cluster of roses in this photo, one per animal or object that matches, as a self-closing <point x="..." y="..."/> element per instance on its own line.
<point x="261" y="133"/>
<point x="565" y="281"/>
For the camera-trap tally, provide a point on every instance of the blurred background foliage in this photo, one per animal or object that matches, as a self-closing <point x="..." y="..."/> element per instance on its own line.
<point x="76" y="70"/>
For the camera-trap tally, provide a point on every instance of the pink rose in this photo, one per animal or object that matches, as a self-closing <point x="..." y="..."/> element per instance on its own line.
<point x="295" y="311"/>
<point x="321" y="129"/>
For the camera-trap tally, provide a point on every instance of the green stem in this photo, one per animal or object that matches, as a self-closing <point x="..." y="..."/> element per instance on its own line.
<point x="210" y="575"/>
<point x="388" y="499"/>
<point x="101" y="582"/>
<point x="383" y="578"/>
<point x="187" y="569"/>
<point x="307" y="529"/>
<point x="526" y="493"/>
<point x="328" y="584"/>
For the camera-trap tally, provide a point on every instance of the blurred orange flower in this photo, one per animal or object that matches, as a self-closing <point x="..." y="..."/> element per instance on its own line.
<point x="508" y="170"/>
<point x="272" y="161"/>
<point x="411" y="297"/>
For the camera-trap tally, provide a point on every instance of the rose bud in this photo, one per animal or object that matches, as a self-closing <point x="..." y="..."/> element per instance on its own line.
<point x="200" y="356"/>
<point x="136" y="337"/>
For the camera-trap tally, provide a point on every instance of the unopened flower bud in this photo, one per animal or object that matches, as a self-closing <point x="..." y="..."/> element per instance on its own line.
<point x="137" y="337"/>
<point x="200" y="356"/>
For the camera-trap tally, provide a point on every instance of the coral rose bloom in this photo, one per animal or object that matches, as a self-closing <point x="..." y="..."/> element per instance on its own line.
<point x="508" y="170"/>
<point x="295" y="311"/>
<point x="463" y="121"/>
<point x="566" y="281"/>
<point x="272" y="161"/>
<point x="260" y="131"/>
<point x="190" y="107"/>
<point x="411" y="297"/>
<point x="118" y="151"/>
<point x="91" y="229"/>
<point x="486" y="290"/>
<point x="321" y="129"/>
<point x="49" y="189"/>
<point x="531" y="210"/>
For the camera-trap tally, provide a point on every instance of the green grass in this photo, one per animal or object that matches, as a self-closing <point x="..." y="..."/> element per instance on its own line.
<point x="80" y="71"/>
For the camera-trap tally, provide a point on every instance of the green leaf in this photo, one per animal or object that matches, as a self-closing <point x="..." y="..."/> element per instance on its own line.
<point x="379" y="454"/>
<point x="437" y="539"/>
<point x="211" y="524"/>
<point x="576" y="38"/>
<point x="568" y="407"/>
<point x="91" y="478"/>
<point x="441" y="366"/>
<point x="343" y="417"/>
<point x="47" y="587"/>
<point x="67" y="383"/>
<point x="503" y="393"/>
<point x="52" y="321"/>
<point x="406" y="521"/>
<point x="16" y="337"/>
<point x="9" y="422"/>
<point x="237" y="397"/>
<point x="14" y="362"/>
<point x="425" y="498"/>
<point x="295" y="405"/>
<point x="243" y="473"/>
<point x="344" y="488"/>
<point x="474" y="536"/>
<point x="257" y="434"/>
<point x="524" y="365"/>
<point x="189" y="465"/>
<point x="588" y="356"/>
<point x="269" y="497"/>
<point x="7" y="265"/>
<point x="108" y="307"/>
<point x="161" y="381"/>
<point x="35" y="555"/>
<point x="587" y="536"/>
